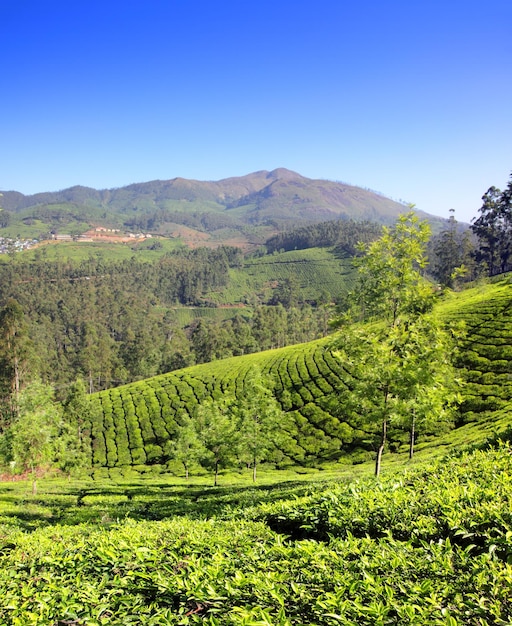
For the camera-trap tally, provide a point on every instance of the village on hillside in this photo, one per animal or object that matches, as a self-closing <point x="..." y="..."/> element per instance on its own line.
<point x="10" y="245"/>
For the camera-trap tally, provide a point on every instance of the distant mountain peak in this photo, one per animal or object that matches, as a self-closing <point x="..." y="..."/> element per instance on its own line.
<point x="270" y="200"/>
<point x="281" y="173"/>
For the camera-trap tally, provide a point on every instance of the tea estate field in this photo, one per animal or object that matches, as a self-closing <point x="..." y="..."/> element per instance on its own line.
<point x="430" y="543"/>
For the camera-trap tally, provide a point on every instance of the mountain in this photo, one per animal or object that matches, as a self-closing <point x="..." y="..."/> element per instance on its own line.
<point x="266" y="202"/>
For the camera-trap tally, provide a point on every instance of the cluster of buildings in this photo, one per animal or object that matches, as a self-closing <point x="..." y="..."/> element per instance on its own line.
<point x="16" y="245"/>
<point x="8" y="245"/>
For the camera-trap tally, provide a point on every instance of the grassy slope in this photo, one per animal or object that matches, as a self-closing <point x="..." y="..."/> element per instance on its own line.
<point x="136" y="420"/>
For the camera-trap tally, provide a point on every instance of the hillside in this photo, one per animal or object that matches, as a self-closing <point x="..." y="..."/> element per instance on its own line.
<point x="135" y="421"/>
<point x="246" y="209"/>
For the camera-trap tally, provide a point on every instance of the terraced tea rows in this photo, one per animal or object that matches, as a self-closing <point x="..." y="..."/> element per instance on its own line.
<point x="486" y="353"/>
<point x="315" y="270"/>
<point x="135" y="422"/>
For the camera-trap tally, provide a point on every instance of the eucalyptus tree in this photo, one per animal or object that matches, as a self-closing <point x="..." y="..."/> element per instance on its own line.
<point x="451" y="254"/>
<point x="394" y="360"/>
<point x="260" y="418"/>
<point x="494" y="229"/>
<point x="15" y="355"/>
<point x="74" y="442"/>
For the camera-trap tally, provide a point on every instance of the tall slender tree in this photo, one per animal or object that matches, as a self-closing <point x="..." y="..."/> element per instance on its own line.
<point x="14" y="355"/>
<point x="391" y="362"/>
<point x="494" y="229"/>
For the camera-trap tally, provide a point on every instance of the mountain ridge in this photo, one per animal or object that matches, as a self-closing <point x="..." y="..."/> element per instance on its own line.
<point x="237" y="191"/>
<point x="255" y="206"/>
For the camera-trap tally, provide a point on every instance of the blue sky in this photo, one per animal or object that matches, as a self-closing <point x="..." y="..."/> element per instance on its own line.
<point x="409" y="98"/>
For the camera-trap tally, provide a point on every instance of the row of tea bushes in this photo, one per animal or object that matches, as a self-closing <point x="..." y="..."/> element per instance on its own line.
<point x="429" y="547"/>
<point x="135" y="422"/>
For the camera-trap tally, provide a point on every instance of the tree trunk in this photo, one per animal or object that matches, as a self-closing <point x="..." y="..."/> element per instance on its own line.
<point x="412" y="435"/>
<point x="378" y="458"/>
<point x="16" y="377"/>
<point x="216" y="473"/>
<point x="254" y="470"/>
<point x="34" y="481"/>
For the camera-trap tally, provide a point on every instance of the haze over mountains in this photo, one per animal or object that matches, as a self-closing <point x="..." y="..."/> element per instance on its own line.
<point x="264" y="201"/>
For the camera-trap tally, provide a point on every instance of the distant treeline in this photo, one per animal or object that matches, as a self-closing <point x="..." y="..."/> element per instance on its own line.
<point x="113" y="322"/>
<point x="343" y="234"/>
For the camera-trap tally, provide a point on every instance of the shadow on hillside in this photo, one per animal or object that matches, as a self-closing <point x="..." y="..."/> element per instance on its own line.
<point x="110" y="505"/>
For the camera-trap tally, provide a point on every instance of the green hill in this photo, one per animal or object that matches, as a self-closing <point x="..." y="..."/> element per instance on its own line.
<point x="135" y="421"/>
<point x="245" y="210"/>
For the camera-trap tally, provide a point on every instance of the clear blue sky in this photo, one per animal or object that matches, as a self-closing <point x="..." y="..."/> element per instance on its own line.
<point x="407" y="97"/>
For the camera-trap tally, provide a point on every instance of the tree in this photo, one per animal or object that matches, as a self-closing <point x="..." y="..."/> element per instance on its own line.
<point x="428" y="379"/>
<point x="394" y="361"/>
<point x="219" y="434"/>
<point x="74" y="443"/>
<point x="5" y="218"/>
<point x="494" y="229"/>
<point x="96" y="353"/>
<point x="260" y="419"/>
<point x="287" y="292"/>
<point x="35" y="430"/>
<point x="451" y="257"/>
<point x="186" y="447"/>
<point x="14" y="352"/>
<point x="390" y="280"/>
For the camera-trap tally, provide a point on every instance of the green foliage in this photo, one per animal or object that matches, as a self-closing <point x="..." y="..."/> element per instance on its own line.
<point x="15" y="357"/>
<point x="219" y="434"/>
<point x="186" y="448"/>
<point x="317" y="428"/>
<point x="261" y="421"/>
<point x="494" y="229"/>
<point x="428" y="546"/>
<point x="112" y="321"/>
<point x="33" y="434"/>
<point x="343" y="234"/>
<point x="389" y="282"/>
<point x="74" y="446"/>
<point x="400" y="369"/>
<point x="451" y="256"/>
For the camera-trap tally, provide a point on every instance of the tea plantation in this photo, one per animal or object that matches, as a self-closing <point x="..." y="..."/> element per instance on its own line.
<point x="429" y="545"/>
<point x="134" y="422"/>
<point x="317" y="541"/>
